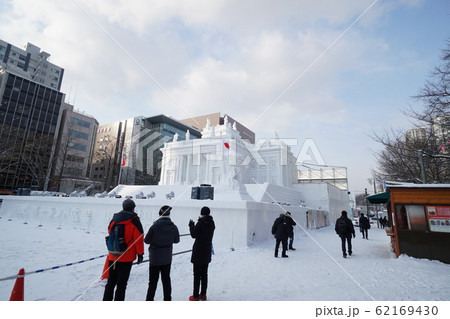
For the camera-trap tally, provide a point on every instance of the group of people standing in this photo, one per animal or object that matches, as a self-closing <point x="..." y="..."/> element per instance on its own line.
<point x="283" y="230"/>
<point x="161" y="236"/>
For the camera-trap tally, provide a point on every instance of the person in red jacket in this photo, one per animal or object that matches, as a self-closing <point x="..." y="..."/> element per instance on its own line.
<point x="120" y="266"/>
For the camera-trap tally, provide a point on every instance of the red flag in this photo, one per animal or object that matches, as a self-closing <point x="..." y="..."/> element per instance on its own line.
<point x="226" y="145"/>
<point x="123" y="160"/>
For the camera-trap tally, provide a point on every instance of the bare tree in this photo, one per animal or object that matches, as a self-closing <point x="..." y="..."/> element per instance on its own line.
<point x="421" y="157"/>
<point x="35" y="159"/>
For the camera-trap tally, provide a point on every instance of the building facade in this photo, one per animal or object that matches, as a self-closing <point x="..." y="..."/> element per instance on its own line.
<point x="32" y="64"/>
<point x="30" y="115"/>
<point x="157" y="130"/>
<point x="106" y="156"/>
<point x="75" y="148"/>
<point x="128" y="152"/>
<point x="215" y="119"/>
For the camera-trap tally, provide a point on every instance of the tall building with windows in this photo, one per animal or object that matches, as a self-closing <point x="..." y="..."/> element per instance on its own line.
<point x="30" y="116"/>
<point x="129" y="151"/>
<point x="106" y="157"/>
<point x="74" y="151"/>
<point x="157" y="131"/>
<point x="31" y="63"/>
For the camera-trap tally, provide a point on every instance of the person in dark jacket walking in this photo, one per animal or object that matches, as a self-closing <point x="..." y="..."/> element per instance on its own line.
<point x="120" y="266"/>
<point x="161" y="236"/>
<point x="344" y="228"/>
<point x="280" y="230"/>
<point x="203" y="233"/>
<point x="364" y="226"/>
<point x="291" y="224"/>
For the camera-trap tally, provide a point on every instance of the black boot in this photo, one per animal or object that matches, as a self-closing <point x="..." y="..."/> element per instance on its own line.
<point x="276" y="254"/>
<point x="291" y="248"/>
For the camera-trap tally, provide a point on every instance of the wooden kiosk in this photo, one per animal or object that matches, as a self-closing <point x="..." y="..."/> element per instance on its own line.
<point x="419" y="216"/>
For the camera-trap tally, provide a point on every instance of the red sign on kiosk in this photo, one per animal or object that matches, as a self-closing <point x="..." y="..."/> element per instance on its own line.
<point x="439" y="218"/>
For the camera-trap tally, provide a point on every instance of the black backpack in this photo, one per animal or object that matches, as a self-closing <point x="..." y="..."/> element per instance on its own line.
<point x="341" y="226"/>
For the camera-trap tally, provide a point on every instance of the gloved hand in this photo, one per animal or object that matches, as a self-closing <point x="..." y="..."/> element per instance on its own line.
<point x="354" y="236"/>
<point x="191" y="223"/>
<point x="140" y="259"/>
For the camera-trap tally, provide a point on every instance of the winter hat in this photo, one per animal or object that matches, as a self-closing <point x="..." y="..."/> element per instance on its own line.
<point x="165" y="210"/>
<point x="128" y="205"/>
<point x="205" y="211"/>
<point x="344" y="213"/>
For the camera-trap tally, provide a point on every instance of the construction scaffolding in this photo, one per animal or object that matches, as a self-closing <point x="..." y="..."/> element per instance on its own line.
<point x="336" y="176"/>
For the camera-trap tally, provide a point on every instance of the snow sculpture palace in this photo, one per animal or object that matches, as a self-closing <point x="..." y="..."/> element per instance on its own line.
<point x="252" y="185"/>
<point x="221" y="158"/>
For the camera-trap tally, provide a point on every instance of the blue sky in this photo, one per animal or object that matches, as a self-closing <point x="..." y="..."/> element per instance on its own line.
<point x="125" y="58"/>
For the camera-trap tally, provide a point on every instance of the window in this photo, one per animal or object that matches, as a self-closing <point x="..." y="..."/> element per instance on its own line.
<point x="75" y="159"/>
<point x="72" y="171"/>
<point x="82" y="123"/>
<point x="411" y="217"/>
<point x="79" y="147"/>
<point x="82" y="135"/>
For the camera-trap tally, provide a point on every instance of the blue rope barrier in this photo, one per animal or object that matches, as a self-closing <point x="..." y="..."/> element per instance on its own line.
<point x="51" y="268"/>
<point x="75" y="263"/>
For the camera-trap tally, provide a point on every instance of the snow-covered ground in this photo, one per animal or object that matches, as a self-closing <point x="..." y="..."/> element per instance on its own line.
<point x="316" y="271"/>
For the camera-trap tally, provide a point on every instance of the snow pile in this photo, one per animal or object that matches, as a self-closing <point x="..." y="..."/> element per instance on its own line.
<point x="315" y="271"/>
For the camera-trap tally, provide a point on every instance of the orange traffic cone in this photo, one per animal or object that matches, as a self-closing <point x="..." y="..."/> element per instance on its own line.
<point x="17" y="293"/>
<point x="105" y="273"/>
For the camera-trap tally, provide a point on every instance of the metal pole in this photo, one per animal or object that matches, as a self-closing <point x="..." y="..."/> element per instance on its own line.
<point x="422" y="166"/>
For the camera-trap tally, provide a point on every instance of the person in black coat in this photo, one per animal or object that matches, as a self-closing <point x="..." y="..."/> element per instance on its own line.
<point x="344" y="228"/>
<point x="280" y="230"/>
<point x="203" y="233"/>
<point x="161" y="236"/>
<point x="364" y="226"/>
<point x="291" y="224"/>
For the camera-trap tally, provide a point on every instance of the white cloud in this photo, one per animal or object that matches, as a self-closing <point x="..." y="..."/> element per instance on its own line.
<point x="236" y="57"/>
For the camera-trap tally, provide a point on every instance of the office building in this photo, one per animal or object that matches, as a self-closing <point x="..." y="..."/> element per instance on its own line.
<point x="31" y="63"/>
<point x="128" y="151"/>
<point x="30" y="116"/>
<point x="75" y="148"/>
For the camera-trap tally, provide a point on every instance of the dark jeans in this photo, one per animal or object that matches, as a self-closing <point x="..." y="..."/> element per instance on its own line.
<point x="291" y="241"/>
<point x="200" y="278"/>
<point x="284" y="245"/>
<point x="349" y="244"/>
<point x="118" y="275"/>
<point x="153" y="282"/>
<point x="365" y="233"/>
